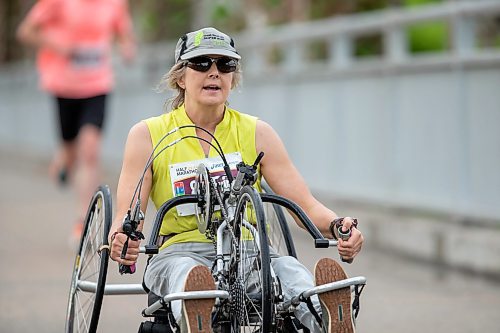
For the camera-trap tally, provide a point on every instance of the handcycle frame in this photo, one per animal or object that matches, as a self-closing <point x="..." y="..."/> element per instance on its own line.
<point x="234" y="229"/>
<point x="277" y="202"/>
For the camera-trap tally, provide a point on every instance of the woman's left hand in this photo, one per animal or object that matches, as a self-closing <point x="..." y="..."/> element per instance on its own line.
<point x="348" y="249"/>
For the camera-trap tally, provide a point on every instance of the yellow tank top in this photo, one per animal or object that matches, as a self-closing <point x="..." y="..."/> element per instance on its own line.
<point x="174" y="169"/>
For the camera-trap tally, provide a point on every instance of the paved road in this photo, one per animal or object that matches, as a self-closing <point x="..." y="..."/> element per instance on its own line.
<point x="36" y="261"/>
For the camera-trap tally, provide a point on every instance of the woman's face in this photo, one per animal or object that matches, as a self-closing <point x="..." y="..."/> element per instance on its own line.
<point x="210" y="88"/>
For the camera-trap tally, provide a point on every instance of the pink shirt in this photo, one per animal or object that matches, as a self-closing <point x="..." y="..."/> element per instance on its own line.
<point x="88" y="28"/>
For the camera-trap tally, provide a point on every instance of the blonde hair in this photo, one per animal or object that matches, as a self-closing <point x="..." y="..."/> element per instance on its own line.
<point x="171" y="78"/>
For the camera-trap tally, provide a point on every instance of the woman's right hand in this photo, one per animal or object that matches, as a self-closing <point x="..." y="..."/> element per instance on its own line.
<point x="117" y="242"/>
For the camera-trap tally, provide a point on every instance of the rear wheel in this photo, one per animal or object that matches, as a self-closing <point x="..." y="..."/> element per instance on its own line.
<point x="250" y="269"/>
<point x="90" y="268"/>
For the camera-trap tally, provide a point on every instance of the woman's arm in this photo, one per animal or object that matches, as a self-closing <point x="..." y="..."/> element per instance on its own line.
<point x="137" y="151"/>
<point x="30" y="32"/>
<point x="285" y="180"/>
<point x="125" y="33"/>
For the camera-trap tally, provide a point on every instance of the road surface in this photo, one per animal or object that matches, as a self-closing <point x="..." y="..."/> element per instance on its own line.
<point x="36" y="262"/>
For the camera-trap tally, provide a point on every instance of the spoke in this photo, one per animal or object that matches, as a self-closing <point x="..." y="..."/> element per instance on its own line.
<point x="90" y="262"/>
<point x="250" y="268"/>
<point x="250" y="303"/>
<point x="81" y="319"/>
<point x="90" y="277"/>
<point x="95" y="242"/>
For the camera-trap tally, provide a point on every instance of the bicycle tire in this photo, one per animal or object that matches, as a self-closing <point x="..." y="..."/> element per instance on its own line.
<point x="250" y="268"/>
<point x="93" y="254"/>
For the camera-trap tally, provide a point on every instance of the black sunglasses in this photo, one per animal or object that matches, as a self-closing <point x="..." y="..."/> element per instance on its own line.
<point x="203" y="64"/>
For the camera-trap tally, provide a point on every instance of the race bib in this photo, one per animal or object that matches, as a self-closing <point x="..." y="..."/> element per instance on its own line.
<point x="88" y="58"/>
<point x="182" y="176"/>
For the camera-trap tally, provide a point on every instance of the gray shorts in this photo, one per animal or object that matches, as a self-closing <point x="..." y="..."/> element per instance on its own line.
<point x="167" y="272"/>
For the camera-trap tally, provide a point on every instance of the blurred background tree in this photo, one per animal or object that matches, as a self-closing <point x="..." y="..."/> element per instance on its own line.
<point x="429" y="36"/>
<point x="161" y="20"/>
<point x="11" y="13"/>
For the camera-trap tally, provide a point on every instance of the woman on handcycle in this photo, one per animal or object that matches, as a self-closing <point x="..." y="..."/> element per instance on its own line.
<point x="207" y="67"/>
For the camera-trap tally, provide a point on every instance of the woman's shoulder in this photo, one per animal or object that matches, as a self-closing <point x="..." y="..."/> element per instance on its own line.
<point x="139" y="129"/>
<point x="241" y="116"/>
<point x="160" y="122"/>
<point x="157" y="126"/>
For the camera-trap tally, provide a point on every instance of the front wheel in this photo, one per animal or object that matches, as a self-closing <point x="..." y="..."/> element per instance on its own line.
<point x="91" y="266"/>
<point x="250" y="267"/>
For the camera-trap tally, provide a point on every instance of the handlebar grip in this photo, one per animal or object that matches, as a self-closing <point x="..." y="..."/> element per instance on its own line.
<point x="345" y="236"/>
<point x="124" y="269"/>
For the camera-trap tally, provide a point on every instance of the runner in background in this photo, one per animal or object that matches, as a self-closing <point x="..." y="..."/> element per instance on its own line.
<point x="74" y="39"/>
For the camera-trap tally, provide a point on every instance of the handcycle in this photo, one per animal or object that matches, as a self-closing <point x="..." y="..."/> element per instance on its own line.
<point x="237" y="218"/>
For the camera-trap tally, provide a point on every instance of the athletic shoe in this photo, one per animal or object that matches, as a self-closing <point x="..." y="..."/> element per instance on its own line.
<point x="63" y="177"/>
<point x="59" y="174"/>
<point x="336" y="304"/>
<point x="197" y="313"/>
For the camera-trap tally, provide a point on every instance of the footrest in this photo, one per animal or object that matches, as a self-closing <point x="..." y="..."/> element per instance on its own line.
<point x="296" y="300"/>
<point x="354" y="281"/>
<point x="184" y="295"/>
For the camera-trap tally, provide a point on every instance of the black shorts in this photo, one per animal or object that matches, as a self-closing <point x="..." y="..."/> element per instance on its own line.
<point x="75" y="113"/>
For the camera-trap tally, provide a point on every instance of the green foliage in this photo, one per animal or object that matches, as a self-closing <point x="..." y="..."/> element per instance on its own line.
<point x="162" y="20"/>
<point x="220" y="12"/>
<point x="328" y="8"/>
<point x="428" y="36"/>
<point x="368" y="46"/>
<point x="412" y="3"/>
<point x="496" y="43"/>
<point x="425" y="37"/>
<point x="369" y="5"/>
<point x="318" y="50"/>
<point x="273" y="3"/>
<point x="222" y="17"/>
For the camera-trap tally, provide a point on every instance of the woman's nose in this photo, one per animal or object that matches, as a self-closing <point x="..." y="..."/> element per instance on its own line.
<point x="213" y="71"/>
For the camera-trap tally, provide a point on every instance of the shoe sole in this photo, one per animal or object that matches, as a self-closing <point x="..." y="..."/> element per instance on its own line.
<point x="337" y="303"/>
<point x="198" y="312"/>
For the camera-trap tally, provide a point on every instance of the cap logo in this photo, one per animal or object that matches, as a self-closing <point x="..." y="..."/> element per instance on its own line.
<point x="203" y="42"/>
<point x="198" y="38"/>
